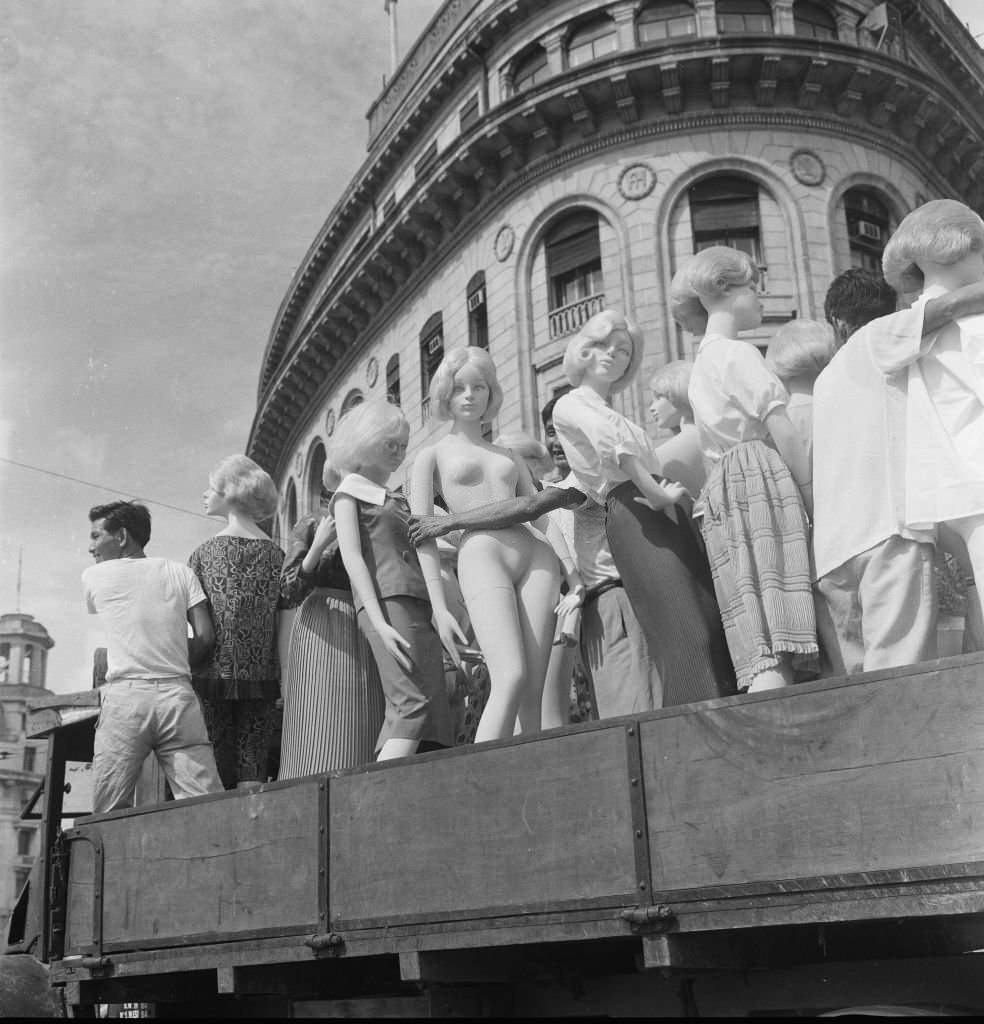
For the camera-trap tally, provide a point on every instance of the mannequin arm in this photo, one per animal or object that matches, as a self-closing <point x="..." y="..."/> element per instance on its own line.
<point x="497" y="515"/>
<point x="960" y="302"/>
<point x="657" y="497"/>
<point x="791" y="451"/>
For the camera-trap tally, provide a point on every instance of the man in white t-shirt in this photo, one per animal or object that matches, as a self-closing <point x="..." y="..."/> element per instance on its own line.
<point x="147" y="703"/>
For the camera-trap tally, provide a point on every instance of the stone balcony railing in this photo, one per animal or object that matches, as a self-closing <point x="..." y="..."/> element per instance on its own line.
<point x="572" y="317"/>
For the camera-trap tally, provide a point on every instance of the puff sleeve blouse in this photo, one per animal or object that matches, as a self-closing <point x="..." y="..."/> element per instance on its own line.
<point x="732" y="392"/>
<point x="594" y="437"/>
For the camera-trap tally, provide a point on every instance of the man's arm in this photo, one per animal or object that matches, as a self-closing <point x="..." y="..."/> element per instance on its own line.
<point x="202" y="637"/>
<point x="496" y="516"/>
<point x="960" y="302"/>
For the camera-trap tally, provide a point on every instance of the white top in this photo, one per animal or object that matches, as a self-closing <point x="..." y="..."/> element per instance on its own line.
<point x="859" y="449"/>
<point x="594" y="436"/>
<point x="799" y="409"/>
<point x="944" y="469"/>
<point x="732" y="391"/>
<point x="143" y="604"/>
<point x="584" y="530"/>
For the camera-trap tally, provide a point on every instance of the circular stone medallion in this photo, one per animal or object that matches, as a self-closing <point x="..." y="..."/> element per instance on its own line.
<point x="330" y="422"/>
<point x="504" y="240"/>
<point x="807" y="167"/>
<point x="636" y="181"/>
<point x="372" y="370"/>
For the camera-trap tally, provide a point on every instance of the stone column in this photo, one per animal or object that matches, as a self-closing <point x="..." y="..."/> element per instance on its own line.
<point x="706" y="18"/>
<point x="847" y="25"/>
<point x="623" y="14"/>
<point x="782" y="18"/>
<point x="553" y="43"/>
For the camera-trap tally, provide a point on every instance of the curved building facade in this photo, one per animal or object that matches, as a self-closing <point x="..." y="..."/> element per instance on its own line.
<point x="532" y="162"/>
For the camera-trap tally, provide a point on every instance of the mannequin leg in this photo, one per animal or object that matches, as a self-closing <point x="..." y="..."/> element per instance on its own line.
<point x="492" y="610"/>
<point x="556" y="703"/>
<point x="537" y="595"/>
<point x="397" y="747"/>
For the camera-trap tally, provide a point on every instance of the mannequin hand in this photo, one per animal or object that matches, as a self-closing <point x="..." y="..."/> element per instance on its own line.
<point x="395" y="644"/>
<point x="425" y="528"/>
<point x="450" y="633"/>
<point x="324" y="535"/>
<point x="571" y="600"/>
<point x="675" y="493"/>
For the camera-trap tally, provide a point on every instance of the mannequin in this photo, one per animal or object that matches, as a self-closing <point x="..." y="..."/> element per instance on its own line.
<point x="509" y="577"/>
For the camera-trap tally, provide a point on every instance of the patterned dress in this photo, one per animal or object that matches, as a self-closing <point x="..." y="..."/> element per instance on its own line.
<point x="239" y="685"/>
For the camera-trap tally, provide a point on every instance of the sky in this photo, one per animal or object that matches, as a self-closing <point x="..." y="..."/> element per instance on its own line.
<point x="164" y="167"/>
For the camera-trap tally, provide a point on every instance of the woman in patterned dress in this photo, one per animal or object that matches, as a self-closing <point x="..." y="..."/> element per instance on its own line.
<point x="239" y="569"/>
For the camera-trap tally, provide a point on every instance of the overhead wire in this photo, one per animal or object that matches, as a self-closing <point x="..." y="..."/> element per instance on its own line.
<point x="102" y="487"/>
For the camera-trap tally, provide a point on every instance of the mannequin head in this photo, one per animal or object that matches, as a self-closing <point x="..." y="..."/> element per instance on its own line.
<point x="670" y="406"/>
<point x="939" y="236"/>
<point x="238" y="484"/>
<point x="799" y="351"/>
<point x="533" y="452"/>
<point x="721" y="280"/>
<point x="463" y="370"/>
<point x="609" y="331"/>
<point x="370" y="439"/>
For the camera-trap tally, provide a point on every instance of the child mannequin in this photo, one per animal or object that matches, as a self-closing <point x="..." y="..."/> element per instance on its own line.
<point x="369" y="444"/>
<point x="510" y="578"/>
<point x="679" y="456"/>
<point x="797" y="354"/>
<point x="656" y="552"/>
<point x="755" y="521"/>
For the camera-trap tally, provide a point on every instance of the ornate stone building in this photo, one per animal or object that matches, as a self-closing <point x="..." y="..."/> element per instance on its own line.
<point x="24" y="646"/>
<point x="531" y="161"/>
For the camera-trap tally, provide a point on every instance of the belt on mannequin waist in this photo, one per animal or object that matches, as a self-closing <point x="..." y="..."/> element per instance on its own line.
<point x="593" y="593"/>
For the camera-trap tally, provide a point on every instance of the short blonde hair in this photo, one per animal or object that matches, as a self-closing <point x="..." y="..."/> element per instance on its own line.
<point x="599" y="328"/>
<point x="672" y="382"/>
<point x="708" y="274"/>
<point x="360" y="430"/>
<point x="801" y="349"/>
<point x="940" y="231"/>
<point x="247" y="487"/>
<point x="442" y="383"/>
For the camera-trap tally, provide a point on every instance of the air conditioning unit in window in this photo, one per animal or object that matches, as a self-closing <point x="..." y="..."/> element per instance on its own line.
<point x="868" y="230"/>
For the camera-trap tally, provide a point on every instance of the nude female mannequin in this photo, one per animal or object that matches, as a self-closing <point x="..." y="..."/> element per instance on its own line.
<point x="509" y="577"/>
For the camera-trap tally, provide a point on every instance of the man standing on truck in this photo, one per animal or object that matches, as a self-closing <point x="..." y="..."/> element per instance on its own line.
<point x="148" y="704"/>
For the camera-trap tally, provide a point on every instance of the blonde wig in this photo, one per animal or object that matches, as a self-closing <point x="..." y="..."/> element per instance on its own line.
<point x="940" y="231"/>
<point x="359" y="433"/>
<point x="247" y="487"/>
<point x="707" y="275"/>
<point x="599" y="328"/>
<point x="800" y="350"/>
<point x="442" y="384"/>
<point x="672" y="382"/>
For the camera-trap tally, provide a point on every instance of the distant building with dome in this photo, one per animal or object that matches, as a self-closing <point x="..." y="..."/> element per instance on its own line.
<point x="24" y="646"/>
<point x="530" y="163"/>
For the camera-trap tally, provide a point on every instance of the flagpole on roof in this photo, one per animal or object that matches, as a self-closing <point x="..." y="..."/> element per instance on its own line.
<point x="390" y="7"/>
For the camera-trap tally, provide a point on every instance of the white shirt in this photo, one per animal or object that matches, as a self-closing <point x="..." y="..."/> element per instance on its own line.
<point x="143" y="604"/>
<point x="859" y="449"/>
<point x="944" y="469"/>
<point x="583" y="528"/>
<point x="732" y="391"/>
<point x="594" y="437"/>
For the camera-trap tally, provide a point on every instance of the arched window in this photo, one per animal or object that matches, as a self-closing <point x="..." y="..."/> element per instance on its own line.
<point x="813" y="20"/>
<point x="316" y="467"/>
<point x="592" y="40"/>
<point x="530" y="68"/>
<point x="27" y="664"/>
<point x="744" y="16"/>
<point x="478" y="318"/>
<point x="665" y="21"/>
<point x="868" y="227"/>
<point x="291" y="504"/>
<point x="352" y="399"/>
<point x="573" y="254"/>
<point x="724" y="210"/>
<point x="393" y="379"/>
<point x="431" y="354"/>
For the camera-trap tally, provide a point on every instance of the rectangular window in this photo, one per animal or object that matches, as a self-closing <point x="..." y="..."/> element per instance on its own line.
<point x="469" y="113"/>
<point x="425" y="160"/>
<point x="25" y="840"/>
<point x="29" y="754"/>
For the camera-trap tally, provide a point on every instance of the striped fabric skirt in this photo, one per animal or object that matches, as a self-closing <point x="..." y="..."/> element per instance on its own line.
<point x="757" y="536"/>
<point x="333" y="699"/>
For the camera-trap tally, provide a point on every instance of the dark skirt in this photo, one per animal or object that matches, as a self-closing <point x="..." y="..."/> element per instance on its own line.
<point x="333" y="700"/>
<point x="666" y="576"/>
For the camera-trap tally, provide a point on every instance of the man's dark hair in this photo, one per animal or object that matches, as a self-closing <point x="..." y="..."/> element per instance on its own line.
<point x="124" y="515"/>
<point x="546" y="413"/>
<point x="858" y="296"/>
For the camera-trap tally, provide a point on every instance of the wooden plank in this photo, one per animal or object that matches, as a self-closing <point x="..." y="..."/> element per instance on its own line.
<point x="190" y="871"/>
<point x="830" y="783"/>
<point x="521" y="827"/>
